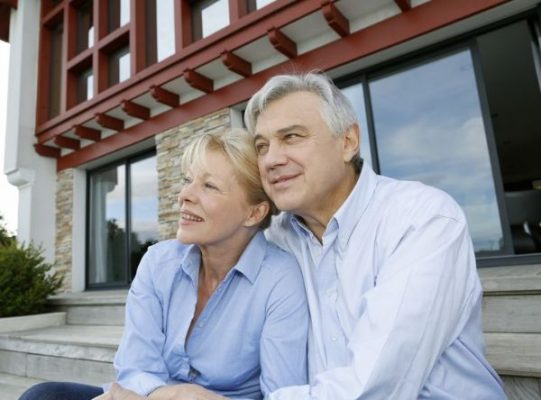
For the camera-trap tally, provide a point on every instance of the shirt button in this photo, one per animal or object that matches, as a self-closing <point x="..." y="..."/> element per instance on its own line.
<point x="334" y="338"/>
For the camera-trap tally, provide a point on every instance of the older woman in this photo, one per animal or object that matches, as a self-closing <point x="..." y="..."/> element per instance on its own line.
<point x="219" y="311"/>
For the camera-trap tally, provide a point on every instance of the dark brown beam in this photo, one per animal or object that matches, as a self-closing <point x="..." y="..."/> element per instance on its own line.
<point x="135" y="110"/>
<point x="67" y="142"/>
<point x="282" y="43"/>
<point x="403" y="4"/>
<point x="87" y="133"/>
<point x="335" y="18"/>
<point x="9" y="3"/>
<point x="198" y="81"/>
<point x="47" y="151"/>
<point x="110" y="122"/>
<point x="236" y="64"/>
<point x="164" y="96"/>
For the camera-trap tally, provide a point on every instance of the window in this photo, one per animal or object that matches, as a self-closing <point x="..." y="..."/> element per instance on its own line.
<point x="429" y="127"/>
<point x="209" y="16"/>
<point x="257" y="4"/>
<point x="55" y="70"/>
<point x="118" y="14"/>
<point x="160" y="25"/>
<point x="119" y="66"/>
<point x="85" y="85"/>
<point x="85" y="26"/>
<point x="122" y="219"/>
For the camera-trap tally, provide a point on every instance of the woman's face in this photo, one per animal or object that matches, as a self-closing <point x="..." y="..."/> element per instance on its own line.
<point x="214" y="209"/>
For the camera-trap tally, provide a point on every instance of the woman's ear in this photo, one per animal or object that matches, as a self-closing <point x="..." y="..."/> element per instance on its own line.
<point x="257" y="214"/>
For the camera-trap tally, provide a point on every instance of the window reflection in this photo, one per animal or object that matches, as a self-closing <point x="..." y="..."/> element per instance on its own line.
<point x="119" y="13"/>
<point x="355" y="94"/>
<point x="85" y="26"/>
<point x="144" y="209"/>
<point x="107" y="226"/>
<point x="429" y="128"/>
<point x="257" y="4"/>
<point x="119" y="66"/>
<point x="85" y="85"/>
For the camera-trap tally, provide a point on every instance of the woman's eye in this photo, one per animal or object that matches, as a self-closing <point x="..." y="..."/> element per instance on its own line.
<point x="184" y="180"/>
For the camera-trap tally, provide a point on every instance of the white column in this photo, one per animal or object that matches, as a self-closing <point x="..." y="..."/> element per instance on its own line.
<point x="35" y="176"/>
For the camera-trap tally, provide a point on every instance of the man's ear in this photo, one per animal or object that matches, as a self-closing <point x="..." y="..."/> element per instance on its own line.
<point x="257" y="214"/>
<point x="351" y="142"/>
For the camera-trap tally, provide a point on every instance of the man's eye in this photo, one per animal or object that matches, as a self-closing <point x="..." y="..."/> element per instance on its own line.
<point x="209" y="185"/>
<point x="291" y="136"/>
<point x="261" y="148"/>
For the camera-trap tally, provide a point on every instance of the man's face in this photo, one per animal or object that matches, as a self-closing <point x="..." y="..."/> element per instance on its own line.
<point x="302" y="164"/>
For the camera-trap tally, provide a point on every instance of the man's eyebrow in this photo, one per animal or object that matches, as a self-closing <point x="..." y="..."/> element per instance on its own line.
<point x="281" y="131"/>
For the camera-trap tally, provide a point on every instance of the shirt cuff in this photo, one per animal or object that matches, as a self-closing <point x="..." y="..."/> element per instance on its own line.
<point x="291" y="393"/>
<point x="142" y="383"/>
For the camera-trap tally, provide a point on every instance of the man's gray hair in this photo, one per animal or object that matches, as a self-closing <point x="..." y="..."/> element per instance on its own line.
<point x="336" y="110"/>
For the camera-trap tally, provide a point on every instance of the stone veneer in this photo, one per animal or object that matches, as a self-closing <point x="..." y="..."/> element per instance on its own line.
<point x="64" y="217"/>
<point x="169" y="149"/>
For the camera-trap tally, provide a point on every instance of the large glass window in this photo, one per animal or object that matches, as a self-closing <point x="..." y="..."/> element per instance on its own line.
<point x="123" y="220"/>
<point x="55" y="72"/>
<point x="118" y="13"/>
<point x="119" y="66"/>
<point x="429" y="127"/>
<point x="85" y="26"/>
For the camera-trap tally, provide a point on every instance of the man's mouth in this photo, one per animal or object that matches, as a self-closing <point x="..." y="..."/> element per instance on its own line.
<point x="282" y="179"/>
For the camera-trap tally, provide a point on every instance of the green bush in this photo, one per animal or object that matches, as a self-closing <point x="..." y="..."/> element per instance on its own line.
<point x="25" y="280"/>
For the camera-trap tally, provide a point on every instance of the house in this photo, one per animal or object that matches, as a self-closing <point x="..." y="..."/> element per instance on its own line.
<point x="448" y="92"/>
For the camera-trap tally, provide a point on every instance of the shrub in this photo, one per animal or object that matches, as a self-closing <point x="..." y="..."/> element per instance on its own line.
<point x="25" y="280"/>
<point x="5" y="238"/>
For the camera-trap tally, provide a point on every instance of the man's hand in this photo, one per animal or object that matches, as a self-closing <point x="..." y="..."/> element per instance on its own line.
<point x="184" y="391"/>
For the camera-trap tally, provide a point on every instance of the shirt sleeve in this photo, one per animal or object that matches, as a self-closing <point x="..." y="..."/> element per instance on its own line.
<point x="423" y="295"/>
<point x="283" y="345"/>
<point x="139" y="361"/>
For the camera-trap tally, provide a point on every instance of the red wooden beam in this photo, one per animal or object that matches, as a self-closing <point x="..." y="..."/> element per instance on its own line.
<point x="198" y="81"/>
<point x="164" y="96"/>
<point x="282" y="43"/>
<point x="135" y="110"/>
<point x="67" y="142"/>
<point x="237" y="9"/>
<point x="236" y="64"/>
<point x="403" y="4"/>
<point x="47" y="151"/>
<point x="335" y="18"/>
<point x="87" y="133"/>
<point x="109" y="122"/>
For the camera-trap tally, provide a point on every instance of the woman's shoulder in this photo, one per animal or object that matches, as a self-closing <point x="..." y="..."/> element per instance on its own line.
<point x="167" y="249"/>
<point x="280" y="264"/>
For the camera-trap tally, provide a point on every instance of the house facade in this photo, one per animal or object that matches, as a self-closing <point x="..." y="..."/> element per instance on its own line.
<point x="102" y="93"/>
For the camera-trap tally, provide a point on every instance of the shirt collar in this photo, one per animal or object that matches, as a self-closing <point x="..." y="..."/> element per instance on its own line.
<point x="248" y="265"/>
<point x="252" y="257"/>
<point x="347" y="216"/>
<point x="350" y="212"/>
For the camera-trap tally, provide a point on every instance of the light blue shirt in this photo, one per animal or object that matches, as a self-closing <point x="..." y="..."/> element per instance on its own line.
<point x="249" y="340"/>
<point x="394" y="298"/>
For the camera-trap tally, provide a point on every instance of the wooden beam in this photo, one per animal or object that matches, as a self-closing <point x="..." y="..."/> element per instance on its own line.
<point x="135" y="110"/>
<point x="198" y="81"/>
<point x="47" y="151"/>
<point x="9" y="3"/>
<point x="403" y="4"/>
<point x="335" y="18"/>
<point x="282" y="43"/>
<point x="236" y="64"/>
<point x="164" y="96"/>
<point x="67" y="142"/>
<point x="87" y="133"/>
<point x="109" y="122"/>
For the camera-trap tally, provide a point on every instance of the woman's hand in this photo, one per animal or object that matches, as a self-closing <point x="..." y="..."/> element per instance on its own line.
<point x="184" y="391"/>
<point x="117" y="392"/>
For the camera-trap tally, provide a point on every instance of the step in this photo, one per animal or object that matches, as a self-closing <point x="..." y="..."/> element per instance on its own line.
<point x="515" y="354"/>
<point x="80" y="353"/>
<point x="92" y="307"/>
<point x="12" y="386"/>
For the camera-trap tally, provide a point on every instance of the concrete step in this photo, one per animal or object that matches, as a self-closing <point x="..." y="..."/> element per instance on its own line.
<point x="515" y="354"/>
<point x="93" y="307"/>
<point x="12" y="386"/>
<point x="78" y="353"/>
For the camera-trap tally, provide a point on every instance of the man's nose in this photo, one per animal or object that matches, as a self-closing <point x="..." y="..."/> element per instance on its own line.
<point x="275" y="155"/>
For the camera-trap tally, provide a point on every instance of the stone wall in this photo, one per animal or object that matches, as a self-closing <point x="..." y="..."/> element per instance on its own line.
<point x="169" y="148"/>
<point x="64" y="218"/>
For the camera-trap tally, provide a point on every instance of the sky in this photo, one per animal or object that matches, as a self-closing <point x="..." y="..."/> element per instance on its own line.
<point x="8" y="192"/>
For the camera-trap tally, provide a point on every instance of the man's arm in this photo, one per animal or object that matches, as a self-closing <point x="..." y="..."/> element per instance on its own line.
<point x="424" y="292"/>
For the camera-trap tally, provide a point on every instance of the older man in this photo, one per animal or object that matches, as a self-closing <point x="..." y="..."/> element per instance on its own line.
<point x="389" y="267"/>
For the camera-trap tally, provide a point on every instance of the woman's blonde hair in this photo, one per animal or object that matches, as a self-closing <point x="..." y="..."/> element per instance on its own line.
<point x="237" y="146"/>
